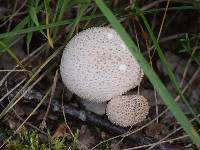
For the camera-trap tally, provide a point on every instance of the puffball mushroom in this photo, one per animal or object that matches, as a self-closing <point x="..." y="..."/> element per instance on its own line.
<point x="127" y="110"/>
<point x="96" y="65"/>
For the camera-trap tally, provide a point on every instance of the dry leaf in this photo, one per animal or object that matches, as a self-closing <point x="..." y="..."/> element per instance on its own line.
<point x="60" y="131"/>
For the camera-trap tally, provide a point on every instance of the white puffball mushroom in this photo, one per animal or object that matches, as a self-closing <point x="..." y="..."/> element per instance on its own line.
<point x="127" y="110"/>
<point x="96" y="65"/>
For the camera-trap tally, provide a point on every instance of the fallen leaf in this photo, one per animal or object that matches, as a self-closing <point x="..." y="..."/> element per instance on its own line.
<point x="61" y="131"/>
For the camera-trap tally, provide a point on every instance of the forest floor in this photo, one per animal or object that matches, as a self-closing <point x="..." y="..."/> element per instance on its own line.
<point x="39" y="112"/>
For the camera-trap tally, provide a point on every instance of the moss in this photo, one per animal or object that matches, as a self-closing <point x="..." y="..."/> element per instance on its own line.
<point x="31" y="141"/>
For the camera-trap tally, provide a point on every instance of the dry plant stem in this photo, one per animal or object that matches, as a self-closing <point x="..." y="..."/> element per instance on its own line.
<point x="168" y="38"/>
<point x="14" y="70"/>
<point x="167" y="136"/>
<point x="162" y="23"/>
<point x="27" y="90"/>
<point x="11" y="90"/>
<point x="162" y="140"/>
<point x="167" y="141"/>
<point x="148" y="6"/>
<point x="10" y="20"/>
<point x="63" y="112"/>
<point x="19" y="13"/>
<point x="20" y="94"/>
<point x="28" y="124"/>
<point x="187" y="65"/>
<point x="163" y="19"/>
<point x="64" y="116"/>
<point x="38" y="50"/>
<point x="14" y="88"/>
<point x="154" y="19"/>
<point x="156" y="101"/>
<point x="41" y="101"/>
<point x="152" y="4"/>
<point x="13" y="55"/>
<point x="51" y="97"/>
<point x="14" y="14"/>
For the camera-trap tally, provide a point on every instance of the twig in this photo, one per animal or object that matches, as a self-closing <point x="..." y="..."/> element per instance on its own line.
<point x="51" y="97"/>
<point x="63" y="111"/>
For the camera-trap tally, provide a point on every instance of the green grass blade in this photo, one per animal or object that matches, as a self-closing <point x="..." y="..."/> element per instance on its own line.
<point x="83" y="7"/>
<point x="157" y="83"/>
<point x="29" y="35"/>
<point x="61" y="8"/>
<point x="12" y="54"/>
<point x="48" y="14"/>
<point x="167" y="66"/>
<point x="21" y="25"/>
<point x="33" y="15"/>
<point x="9" y="40"/>
<point x="42" y="27"/>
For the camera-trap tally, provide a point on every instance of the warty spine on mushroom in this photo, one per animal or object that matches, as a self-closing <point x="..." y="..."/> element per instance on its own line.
<point x="127" y="110"/>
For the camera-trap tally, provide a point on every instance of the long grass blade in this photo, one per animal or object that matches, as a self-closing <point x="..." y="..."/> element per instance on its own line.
<point x="83" y="7"/>
<point x="12" y="54"/>
<point x="42" y="27"/>
<point x="167" y="66"/>
<point x="21" y="25"/>
<point x="159" y="86"/>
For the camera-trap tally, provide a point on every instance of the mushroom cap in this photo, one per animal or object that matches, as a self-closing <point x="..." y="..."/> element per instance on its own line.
<point x="127" y="110"/>
<point x="96" y="65"/>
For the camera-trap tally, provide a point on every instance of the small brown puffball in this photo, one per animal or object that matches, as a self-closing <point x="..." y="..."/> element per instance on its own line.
<point x="127" y="110"/>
